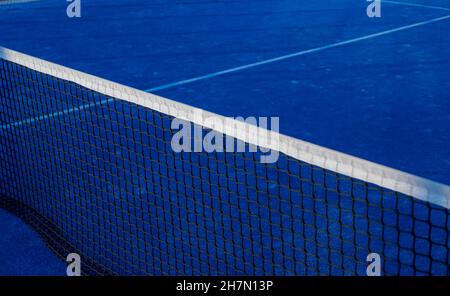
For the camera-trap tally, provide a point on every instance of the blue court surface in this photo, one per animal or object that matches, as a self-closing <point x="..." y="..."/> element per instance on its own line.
<point x="374" y="88"/>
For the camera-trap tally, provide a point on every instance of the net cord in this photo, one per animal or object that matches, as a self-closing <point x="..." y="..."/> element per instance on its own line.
<point x="354" y="167"/>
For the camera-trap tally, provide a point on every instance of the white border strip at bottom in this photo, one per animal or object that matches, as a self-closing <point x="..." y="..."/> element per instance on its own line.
<point x="341" y="163"/>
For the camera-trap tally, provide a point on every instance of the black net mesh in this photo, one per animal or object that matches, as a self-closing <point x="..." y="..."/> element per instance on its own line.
<point x="97" y="176"/>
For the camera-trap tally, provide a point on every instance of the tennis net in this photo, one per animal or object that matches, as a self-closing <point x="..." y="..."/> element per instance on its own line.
<point x="89" y="164"/>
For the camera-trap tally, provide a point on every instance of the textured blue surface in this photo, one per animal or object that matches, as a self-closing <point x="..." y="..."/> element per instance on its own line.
<point x="22" y="252"/>
<point x="384" y="99"/>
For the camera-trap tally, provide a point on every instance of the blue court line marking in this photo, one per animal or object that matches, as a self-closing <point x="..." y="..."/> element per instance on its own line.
<point x="231" y="70"/>
<point x="416" y="5"/>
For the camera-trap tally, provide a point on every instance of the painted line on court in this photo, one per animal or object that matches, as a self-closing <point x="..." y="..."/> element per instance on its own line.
<point x="231" y="70"/>
<point x="296" y="54"/>
<point x="416" y="5"/>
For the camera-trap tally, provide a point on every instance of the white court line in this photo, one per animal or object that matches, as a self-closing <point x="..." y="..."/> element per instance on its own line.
<point x="416" y="5"/>
<point x="328" y="159"/>
<point x="296" y="54"/>
<point x="11" y="2"/>
<point x="231" y="70"/>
